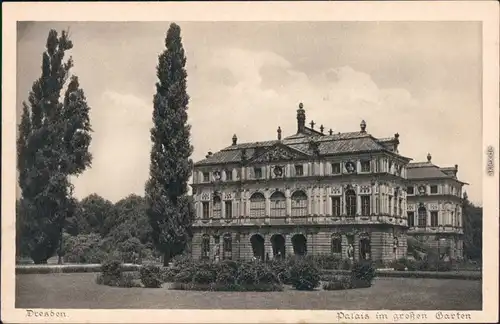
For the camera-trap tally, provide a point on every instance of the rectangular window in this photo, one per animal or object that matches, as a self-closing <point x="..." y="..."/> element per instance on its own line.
<point x="227" y="248"/>
<point x="228" y="209"/>
<point x="206" y="210"/>
<point x="365" y="205"/>
<point x="299" y="170"/>
<point x="205" y="247"/>
<point x="206" y="177"/>
<point x="229" y="175"/>
<point x="434" y="219"/>
<point x="336" y="245"/>
<point x="434" y="189"/>
<point x="336" y="168"/>
<point x="257" y="173"/>
<point x="410" y="190"/>
<point x="400" y="207"/>
<point x="377" y="205"/>
<point x="411" y="219"/>
<point x="390" y="203"/>
<point x="365" y="166"/>
<point x="336" y="206"/>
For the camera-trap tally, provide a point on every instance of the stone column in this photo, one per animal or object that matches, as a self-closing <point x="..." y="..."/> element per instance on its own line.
<point x="247" y="212"/>
<point x="309" y="200"/>
<point x="222" y="206"/>
<point x="268" y="247"/>
<point x="268" y="203"/>
<point x="321" y="168"/>
<point x="288" y="244"/>
<point x="288" y="211"/>
<point x="358" y="201"/>
<point x="241" y="211"/>
<point x="321" y="201"/>
<point x="328" y="202"/>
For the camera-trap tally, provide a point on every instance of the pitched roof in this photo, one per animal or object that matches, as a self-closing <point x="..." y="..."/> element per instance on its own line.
<point x="427" y="170"/>
<point x="340" y="143"/>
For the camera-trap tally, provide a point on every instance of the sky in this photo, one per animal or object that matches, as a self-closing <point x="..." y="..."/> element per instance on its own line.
<point x="419" y="79"/>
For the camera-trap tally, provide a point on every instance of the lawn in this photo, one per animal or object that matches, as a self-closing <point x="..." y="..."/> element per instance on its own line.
<point x="79" y="290"/>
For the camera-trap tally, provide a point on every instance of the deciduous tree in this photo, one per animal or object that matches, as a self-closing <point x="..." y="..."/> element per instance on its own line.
<point x="53" y="141"/>
<point x="168" y="207"/>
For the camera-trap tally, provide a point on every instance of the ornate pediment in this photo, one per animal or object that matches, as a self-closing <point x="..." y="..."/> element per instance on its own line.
<point x="278" y="153"/>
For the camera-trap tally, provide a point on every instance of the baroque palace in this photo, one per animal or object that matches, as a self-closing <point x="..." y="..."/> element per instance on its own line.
<point x="347" y="194"/>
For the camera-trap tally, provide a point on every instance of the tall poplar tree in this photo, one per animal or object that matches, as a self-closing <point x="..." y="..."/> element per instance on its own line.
<point x="168" y="207"/>
<point x="52" y="145"/>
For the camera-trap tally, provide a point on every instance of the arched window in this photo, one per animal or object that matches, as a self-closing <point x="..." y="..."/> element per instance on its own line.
<point x="205" y="246"/>
<point x="257" y="205"/>
<point x="336" y="244"/>
<point x="299" y="204"/>
<point x="350" y="200"/>
<point x="278" y="204"/>
<point x="227" y="251"/>
<point x="422" y="217"/>
<point x="217" y="206"/>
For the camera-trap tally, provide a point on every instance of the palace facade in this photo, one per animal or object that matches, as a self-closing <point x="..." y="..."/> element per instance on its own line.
<point x="435" y="206"/>
<point x="315" y="192"/>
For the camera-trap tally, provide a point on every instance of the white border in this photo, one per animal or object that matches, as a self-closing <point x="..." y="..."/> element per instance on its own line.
<point x="487" y="12"/>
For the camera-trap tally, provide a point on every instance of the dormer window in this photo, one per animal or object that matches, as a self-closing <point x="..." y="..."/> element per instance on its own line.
<point x="257" y="173"/>
<point x="434" y="189"/>
<point x="299" y="170"/>
<point x="206" y="177"/>
<point x="229" y="175"/>
<point x="336" y="168"/>
<point x="365" y="166"/>
<point x="410" y="190"/>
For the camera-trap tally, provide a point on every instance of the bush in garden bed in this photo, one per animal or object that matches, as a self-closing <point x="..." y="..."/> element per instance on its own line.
<point x="226" y="287"/>
<point x="305" y="275"/>
<point x="225" y="275"/>
<point x="363" y="270"/>
<point x="151" y="276"/>
<point x="346" y="282"/>
<point x="126" y="280"/>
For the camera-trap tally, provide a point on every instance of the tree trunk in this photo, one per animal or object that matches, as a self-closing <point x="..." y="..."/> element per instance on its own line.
<point x="166" y="258"/>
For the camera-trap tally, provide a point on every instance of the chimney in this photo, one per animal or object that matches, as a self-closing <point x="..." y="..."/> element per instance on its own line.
<point x="279" y="133"/>
<point x="235" y="139"/>
<point x="330" y="131"/>
<point x="301" y="119"/>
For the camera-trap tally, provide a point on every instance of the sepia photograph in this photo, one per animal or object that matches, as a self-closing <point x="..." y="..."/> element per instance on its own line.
<point x="252" y="164"/>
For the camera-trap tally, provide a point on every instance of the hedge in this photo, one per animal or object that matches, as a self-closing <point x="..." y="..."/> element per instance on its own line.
<point x="68" y="268"/>
<point x="328" y="274"/>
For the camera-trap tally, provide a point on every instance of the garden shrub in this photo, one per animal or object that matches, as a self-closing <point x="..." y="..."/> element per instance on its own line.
<point x="338" y="283"/>
<point x="84" y="248"/>
<point x="363" y="270"/>
<point x="326" y="261"/>
<point x="345" y="264"/>
<point x="151" y="276"/>
<point x="226" y="272"/>
<point x="168" y="274"/>
<point x="281" y="269"/>
<point x="304" y="275"/>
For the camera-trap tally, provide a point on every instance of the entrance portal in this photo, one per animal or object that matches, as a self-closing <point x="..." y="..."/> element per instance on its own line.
<point x="257" y="242"/>
<point x="278" y="242"/>
<point x="364" y="248"/>
<point x="299" y="243"/>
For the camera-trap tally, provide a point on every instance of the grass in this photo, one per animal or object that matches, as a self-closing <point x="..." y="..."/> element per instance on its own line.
<point x="79" y="290"/>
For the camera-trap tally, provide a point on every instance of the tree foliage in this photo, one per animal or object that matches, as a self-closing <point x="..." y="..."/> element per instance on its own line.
<point x="473" y="229"/>
<point x="52" y="145"/>
<point x="168" y="208"/>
